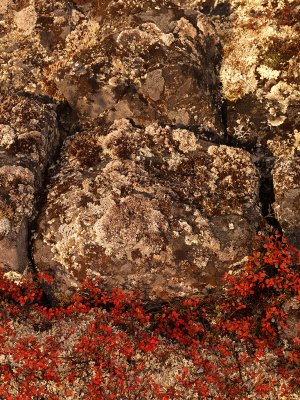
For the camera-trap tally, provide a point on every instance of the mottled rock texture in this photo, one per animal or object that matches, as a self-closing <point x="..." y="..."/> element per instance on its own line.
<point x="286" y="175"/>
<point x="260" y="80"/>
<point x="154" y="189"/>
<point x="154" y="209"/>
<point x="144" y="61"/>
<point x="28" y="138"/>
<point x="30" y="34"/>
<point x="260" y="73"/>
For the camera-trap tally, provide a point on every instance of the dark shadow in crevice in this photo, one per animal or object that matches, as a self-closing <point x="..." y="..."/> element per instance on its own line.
<point x="266" y="196"/>
<point x="265" y="166"/>
<point x="224" y="121"/>
<point x="68" y="124"/>
<point x="264" y="162"/>
<point x="263" y="159"/>
<point x="209" y="7"/>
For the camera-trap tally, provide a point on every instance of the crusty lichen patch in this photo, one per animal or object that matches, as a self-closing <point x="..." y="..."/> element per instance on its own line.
<point x="248" y="36"/>
<point x="26" y="19"/>
<point x="260" y="74"/>
<point x="29" y="136"/>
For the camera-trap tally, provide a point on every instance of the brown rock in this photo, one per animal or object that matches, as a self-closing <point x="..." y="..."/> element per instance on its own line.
<point x="153" y="209"/>
<point x="31" y="33"/>
<point x="28" y="139"/>
<point x="155" y="202"/>
<point x="286" y="175"/>
<point x="145" y="63"/>
<point x="260" y="74"/>
<point x="292" y="309"/>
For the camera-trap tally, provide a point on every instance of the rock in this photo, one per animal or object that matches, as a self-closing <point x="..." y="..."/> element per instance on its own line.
<point x="147" y="63"/>
<point x="153" y="209"/>
<point x="29" y="137"/>
<point x="26" y="19"/>
<point x="146" y="193"/>
<point x="260" y="74"/>
<point x="286" y="175"/>
<point x="292" y="309"/>
<point x="31" y="33"/>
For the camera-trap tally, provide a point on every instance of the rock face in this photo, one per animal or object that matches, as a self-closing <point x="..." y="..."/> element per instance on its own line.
<point x="260" y="74"/>
<point x="155" y="189"/>
<point x="286" y="175"/>
<point x="28" y="138"/>
<point x="154" y="209"/>
<point x="260" y="80"/>
<point x="144" y="62"/>
<point x="31" y="33"/>
<point x="29" y="134"/>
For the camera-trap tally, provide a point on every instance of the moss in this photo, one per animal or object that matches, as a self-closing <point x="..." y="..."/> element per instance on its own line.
<point x="280" y="52"/>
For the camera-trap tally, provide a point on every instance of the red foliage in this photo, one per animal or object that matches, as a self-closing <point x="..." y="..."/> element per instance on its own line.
<point x="108" y="345"/>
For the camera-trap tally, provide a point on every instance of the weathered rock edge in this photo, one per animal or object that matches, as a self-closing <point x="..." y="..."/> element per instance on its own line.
<point x="29" y="138"/>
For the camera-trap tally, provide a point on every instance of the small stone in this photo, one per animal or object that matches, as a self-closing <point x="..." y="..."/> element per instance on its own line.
<point x="5" y="227"/>
<point x="7" y="135"/>
<point x="26" y="19"/>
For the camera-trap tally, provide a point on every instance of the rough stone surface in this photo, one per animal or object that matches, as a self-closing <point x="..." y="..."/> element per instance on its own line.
<point x="150" y="193"/>
<point x="286" y="175"/>
<point x="154" y="209"/>
<point x="292" y="308"/>
<point x="144" y="62"/>
<point x="28" y="138"/>
<point x="260" y="73"/>
<point x="30" y="34"/>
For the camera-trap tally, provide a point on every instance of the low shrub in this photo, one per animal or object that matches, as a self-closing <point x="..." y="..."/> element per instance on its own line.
<point x="113" y="345"/>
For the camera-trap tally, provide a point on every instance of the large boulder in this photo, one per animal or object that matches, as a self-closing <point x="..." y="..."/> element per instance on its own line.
<point x="153" y="209"/>
<point x="144" y="194"/>
<point x="143" y="61"/>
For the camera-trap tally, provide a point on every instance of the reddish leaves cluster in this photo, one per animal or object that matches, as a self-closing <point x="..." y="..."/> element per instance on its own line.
<point x="110" y="345"/>
<point x="257" y="294"/>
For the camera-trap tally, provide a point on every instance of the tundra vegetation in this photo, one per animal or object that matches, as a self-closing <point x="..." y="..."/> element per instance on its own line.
<point x="242" y="343"/>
